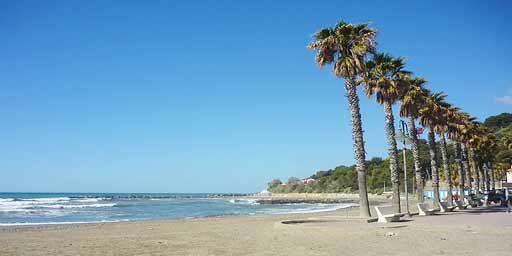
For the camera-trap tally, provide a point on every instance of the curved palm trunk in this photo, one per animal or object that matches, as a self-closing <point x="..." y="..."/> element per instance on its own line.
<point x="393" y="155"/>
<point x="491" y="176"/>
<point x="433" y="166"/>
<point x="416" y="158"/>
<point x="447" y="171"/>
<point x="460" y="170"/>
<point x="482" y="177"/>
<point x="487" y="178"/>
<point x="465" y="165"/>
<point x="475" y="170"/>
<point x="358" y="145"/>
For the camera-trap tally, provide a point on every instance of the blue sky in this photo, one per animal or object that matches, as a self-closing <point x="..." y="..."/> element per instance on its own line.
<point x="215" y="96"/>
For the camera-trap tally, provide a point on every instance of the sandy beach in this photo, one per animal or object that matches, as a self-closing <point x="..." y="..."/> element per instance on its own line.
<point x="485" y="231"/>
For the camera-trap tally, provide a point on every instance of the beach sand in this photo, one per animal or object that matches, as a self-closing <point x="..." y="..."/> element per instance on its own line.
<point x="472" y="232"/>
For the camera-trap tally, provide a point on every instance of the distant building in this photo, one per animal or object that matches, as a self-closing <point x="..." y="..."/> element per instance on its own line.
<point x="265" y="193"/>
<point x="307" y="180"/>
<point x="443" y="193"/>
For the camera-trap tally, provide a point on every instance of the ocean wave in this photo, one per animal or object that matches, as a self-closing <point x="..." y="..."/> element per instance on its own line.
<point x="47" y="199"/>
<point x="244" y="201"/>
<point x="32" y="205"/>
<point x="70" y="206"/>
<point x="311" y="209"/>
<point x="32" y="201"/>
<point x="87" y="200"/>
<point x="58" y="223"/>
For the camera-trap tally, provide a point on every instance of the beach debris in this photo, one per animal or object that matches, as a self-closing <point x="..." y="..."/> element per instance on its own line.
<point x="391" y="234"/>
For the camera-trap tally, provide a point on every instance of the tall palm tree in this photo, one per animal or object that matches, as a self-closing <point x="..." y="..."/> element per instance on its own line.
<point x="345" y="46"/>
<point x="443" y="128"/>
<point x="475" y="169"/>
<point x="430" y="116"/>
<point x="465" y="130"/>
<point x="483" y="150"/>
<point x="472" y="142"/>
<point x="384" y="77"/>
<point x="410" y="103"/>
<point x="454" y="133"/>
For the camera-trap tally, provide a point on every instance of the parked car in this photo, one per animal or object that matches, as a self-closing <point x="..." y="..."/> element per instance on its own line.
<point x="497" y="196"/>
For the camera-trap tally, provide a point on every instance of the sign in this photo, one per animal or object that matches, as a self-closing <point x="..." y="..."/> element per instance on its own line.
<point x="419" y="130"/>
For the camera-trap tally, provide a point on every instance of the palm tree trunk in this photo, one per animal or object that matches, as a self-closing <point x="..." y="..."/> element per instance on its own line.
<point x="475" y="171"/>
<point x="358" y="145"/>
<point x="460" y="170"/>
<point x="465" y="165"/>
<point x="447" y="171"/>
<point x="416" y="158"/>
<point x="487" y="179"/>
<point x="393" y="155"/>
<point x="491" y="176"/>
<point x="482" y="177"/>
<point x="433" y="167"/>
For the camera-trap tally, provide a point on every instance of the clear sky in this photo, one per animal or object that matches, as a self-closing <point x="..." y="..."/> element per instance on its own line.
<point x="215" y="96"/>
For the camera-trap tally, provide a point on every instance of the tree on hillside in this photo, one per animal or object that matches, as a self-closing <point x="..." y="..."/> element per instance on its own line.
<point x="494" y="123"/>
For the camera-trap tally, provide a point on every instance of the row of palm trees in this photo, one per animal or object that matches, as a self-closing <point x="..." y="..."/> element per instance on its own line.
<point x="351" y="50"/>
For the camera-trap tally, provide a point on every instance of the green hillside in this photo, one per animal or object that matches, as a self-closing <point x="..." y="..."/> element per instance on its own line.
<point x="343" y="179"/>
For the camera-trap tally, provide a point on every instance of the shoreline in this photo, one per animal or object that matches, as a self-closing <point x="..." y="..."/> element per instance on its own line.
<point x="474" y="232"/>
<point x="327" y="202"/>
<point x="350" y="211"/>
<point x="6" y="226"/>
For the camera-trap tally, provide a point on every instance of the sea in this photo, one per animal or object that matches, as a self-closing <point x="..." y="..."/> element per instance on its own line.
<point x="19" y="209"/>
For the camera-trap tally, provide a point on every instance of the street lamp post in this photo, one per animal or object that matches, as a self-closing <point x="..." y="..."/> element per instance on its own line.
<point x="405" y="130"/>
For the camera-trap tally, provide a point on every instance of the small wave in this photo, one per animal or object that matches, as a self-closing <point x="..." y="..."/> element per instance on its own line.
<point x="48" y="199"/>
<point x="87" y="200"/>
<point x="32" y="201"/>
<point x="244" y="201"/>
<point x="59" y="223"/>
<point x="70" y="206"/>
<point x="312" y="209"/>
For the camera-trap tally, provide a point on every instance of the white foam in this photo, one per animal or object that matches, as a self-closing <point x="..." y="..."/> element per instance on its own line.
<point x="312" y="209"/>
<point x="58" y="223"/>
<point x="244" y="201"/>
<point x="48" y="199"/>
<point x="87" y="200"/>
<point x="32" y="205"/>
<point x="69" y="206"/>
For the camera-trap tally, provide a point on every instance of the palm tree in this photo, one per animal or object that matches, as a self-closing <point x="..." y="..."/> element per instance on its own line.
<point x="384" y="77"/>
<point x="475" y="170"/>
<point x="455" y="133"/>
<point x="483" y="148"/>
<point x="465" y="128"/>
<point x="412" y="99"/>
<point x="345" y="46"/>
<point x="472" y="142"/>
<point x="444" y="128"/>
<point x="430" y="116"/>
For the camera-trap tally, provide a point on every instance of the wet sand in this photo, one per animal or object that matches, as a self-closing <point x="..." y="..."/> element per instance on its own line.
<point x="471" y="232"/>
